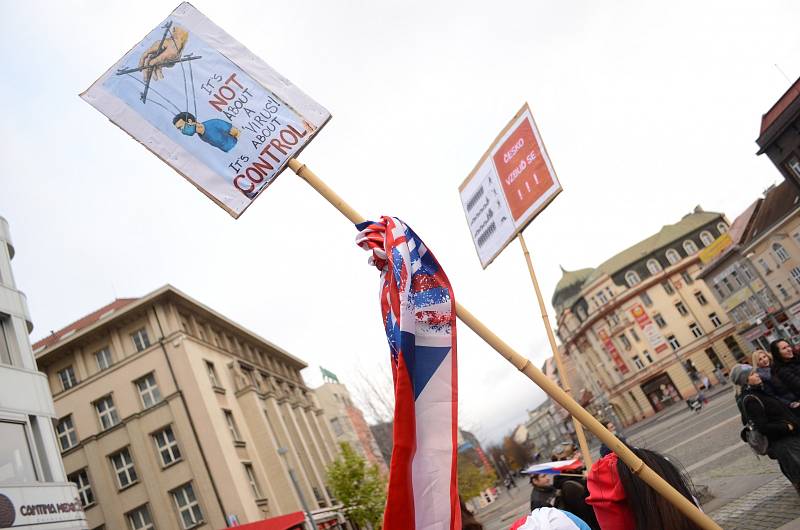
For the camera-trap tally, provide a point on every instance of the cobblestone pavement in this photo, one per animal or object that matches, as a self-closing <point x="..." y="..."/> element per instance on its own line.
<point x="770" y="506"/>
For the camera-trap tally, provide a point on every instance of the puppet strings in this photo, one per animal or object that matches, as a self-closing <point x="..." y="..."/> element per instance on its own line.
<point x="165" y="98"/>
<point x="190" y="83"/>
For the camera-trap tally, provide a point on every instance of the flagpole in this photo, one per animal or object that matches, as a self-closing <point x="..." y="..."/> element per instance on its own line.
<point x="562" y="375"/>
<point x="534" y="374"/>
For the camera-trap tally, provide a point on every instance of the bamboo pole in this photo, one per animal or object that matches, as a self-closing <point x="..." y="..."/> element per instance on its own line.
<point x="562" y="375"/>
<point x="534" y="374"/>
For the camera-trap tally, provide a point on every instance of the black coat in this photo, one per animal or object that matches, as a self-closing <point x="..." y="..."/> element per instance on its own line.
<point x="788" y="373"/>
<point x="542" y="497"/>
<point x="770" y="417"/>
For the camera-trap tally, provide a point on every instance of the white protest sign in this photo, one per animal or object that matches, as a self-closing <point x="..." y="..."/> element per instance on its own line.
<point x="511" y="184"/>
<point x="208" y="107"/>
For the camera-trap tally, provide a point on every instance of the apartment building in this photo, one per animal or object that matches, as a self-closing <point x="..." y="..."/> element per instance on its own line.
<point x="34" y="491"/>
<point x="347" y="421"/>
<point x="170" y="415"/>
<point x="641" y="326"/>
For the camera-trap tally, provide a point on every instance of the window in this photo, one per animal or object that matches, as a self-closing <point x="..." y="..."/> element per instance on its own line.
<point x="715" y="321"/>
<point x="734" y="348"/>
<point x="673" y="342"/>
<point x="647" y="356"/>
<point x="337" y="427"/>
<point x="123" y="468"/>
<point x="140" y="339"/>
<point x="212" y="374"/>
<point x="780" y="252"/>
<point x="690" y="247"/>
<point x="681" y="309"/>
<point x="695" y="329"/>
<point x="653" y="266"/>
<point x="601" y="296"/>
<point x="659" y="320"/>
<point x="188" y="507"/>
<point x="706" y="238"/>
<point x="638" y="362"/>
<point x="634" y="335"/>
<point x="139" y="519"/>
<point x="103" y="358"/>
<point x="668" y="287"/>
<point x="712" y="355"/>
<point x="16" y="462"/>
<point x="687" y="278"/>
<point x="67" y="378"/>
<point x="722" y="228"/>
<point x="625" y="342"/>
<point x="764" y="265"/>
<point x="613" y="318"/>
<point x="81" y="481"/>
<point x="148" y="390"/>
<point x="748" y="274"/>
<point x="783" y="291"/>
<point x="106" y="412"/>
<point x="67" y="437"/>
<point x="251" y="476"/>
<point x="631" y="278"/>
<point x="796" y="275"/>
<point x="581" y="313"/>
<point x="646" y="299"/>
<point x="167" y="446"/>
<point x="672" y="256"/>
<point x="700" y="298"/>
<point x="232" y="425"/>
<point x="5" y="344"/>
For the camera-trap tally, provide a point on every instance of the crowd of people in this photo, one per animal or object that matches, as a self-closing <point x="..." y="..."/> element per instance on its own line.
<point x="612" y="497"/>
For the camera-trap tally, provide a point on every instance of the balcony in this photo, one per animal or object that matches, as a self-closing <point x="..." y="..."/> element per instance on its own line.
<point x="15" y="303"/>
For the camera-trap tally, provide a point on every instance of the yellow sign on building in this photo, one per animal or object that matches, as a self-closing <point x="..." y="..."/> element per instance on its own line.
<point x="715" y="248"/>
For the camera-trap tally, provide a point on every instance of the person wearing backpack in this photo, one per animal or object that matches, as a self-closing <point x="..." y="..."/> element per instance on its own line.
<point x="771" y="418"/>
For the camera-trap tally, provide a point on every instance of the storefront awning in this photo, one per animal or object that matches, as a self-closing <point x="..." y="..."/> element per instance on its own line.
<point x="282" y="522"/>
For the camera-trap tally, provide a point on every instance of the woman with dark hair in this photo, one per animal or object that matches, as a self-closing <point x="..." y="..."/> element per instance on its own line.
<point x="786" y="366"/>
<point x="763" y="363"/>
<point x="771" y="418"/>
<point x="623" y="501"/>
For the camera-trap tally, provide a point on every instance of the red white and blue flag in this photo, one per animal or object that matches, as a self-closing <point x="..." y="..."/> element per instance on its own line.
<point x="419" y="316"/>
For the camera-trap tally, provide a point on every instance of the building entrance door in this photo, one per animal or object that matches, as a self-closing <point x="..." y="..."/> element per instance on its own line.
<point x="660" y="392"/>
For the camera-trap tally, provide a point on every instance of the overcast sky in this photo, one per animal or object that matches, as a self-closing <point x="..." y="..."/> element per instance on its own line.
<point x="647" y="110"/>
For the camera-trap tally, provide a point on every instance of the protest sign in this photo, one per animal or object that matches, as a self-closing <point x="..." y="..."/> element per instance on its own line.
<point x="208" y="107"/>
<point x="511" y="184"/>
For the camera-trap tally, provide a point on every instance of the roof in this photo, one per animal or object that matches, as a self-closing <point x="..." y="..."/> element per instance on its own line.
<point x="738" y="231"/>
<point x="569" y="286"/>
<point x="781" y="105"/>
<point x="778" y="202"/>
<point x="104" y="312"/>
<point x="122" y="306"/>
<point x="666" y="236"/>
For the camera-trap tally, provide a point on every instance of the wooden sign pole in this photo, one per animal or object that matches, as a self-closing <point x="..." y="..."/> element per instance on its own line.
<point x="562" y="375"/>
<point x="534" y="374"/>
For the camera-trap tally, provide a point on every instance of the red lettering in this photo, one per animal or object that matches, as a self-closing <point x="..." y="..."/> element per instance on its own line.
<point x="277" y="144"/>
<point x="229" y="89"/>
<point x="236" y="182"/>
<point x="255" y="170"/>
<point x="233" y="78"/>
<point x="292" y="135"/>
<point x="265" y="151"/>
<point x="263" y="165"/>
<point x="218" y="103"/>
<point x="299" y="135"/>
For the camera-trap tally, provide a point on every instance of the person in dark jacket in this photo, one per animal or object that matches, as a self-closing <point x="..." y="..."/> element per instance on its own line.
<point x="771" y="418"/>
<point x="787" y="366"/>
<point x="773" y="386"/>
<point x="543" y="493"/>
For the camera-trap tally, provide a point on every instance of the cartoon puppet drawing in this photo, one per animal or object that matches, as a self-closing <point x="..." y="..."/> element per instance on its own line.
<point x="218" y="133"/>
<point x="167" y="53"/>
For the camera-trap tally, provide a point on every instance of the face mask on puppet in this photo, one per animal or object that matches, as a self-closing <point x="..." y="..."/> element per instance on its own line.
<point x="189" y="129"/>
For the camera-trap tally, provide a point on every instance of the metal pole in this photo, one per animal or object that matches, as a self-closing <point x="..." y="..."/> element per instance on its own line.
<point x="282" y="451"/>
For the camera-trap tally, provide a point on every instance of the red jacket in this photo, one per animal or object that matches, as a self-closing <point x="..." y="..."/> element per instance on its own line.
<point x="607" y="497"/>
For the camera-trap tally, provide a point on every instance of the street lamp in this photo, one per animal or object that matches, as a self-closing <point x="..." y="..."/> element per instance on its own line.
<point x="282" y="451"/>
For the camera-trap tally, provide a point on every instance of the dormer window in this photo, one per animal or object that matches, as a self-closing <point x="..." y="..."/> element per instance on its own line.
<point x="706" y="238"/>
<point x="653" y="266"/>
<point x="672" y="256"/>
<point x="690" y="247"/>
<point x="631" y="278"/>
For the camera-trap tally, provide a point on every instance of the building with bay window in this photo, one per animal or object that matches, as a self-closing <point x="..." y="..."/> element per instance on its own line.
<point x="172" y="416"/>
<point x="640" y="328"/>
<point x="34" y="490"/>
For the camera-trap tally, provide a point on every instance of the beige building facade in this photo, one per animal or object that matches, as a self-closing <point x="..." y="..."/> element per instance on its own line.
<point x="172" y="416"/>
<point x="640" y="329"/>
<point x="347" y="422"/>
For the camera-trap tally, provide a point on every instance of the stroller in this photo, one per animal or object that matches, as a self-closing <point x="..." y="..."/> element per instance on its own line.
<point x="694" y="404"/>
